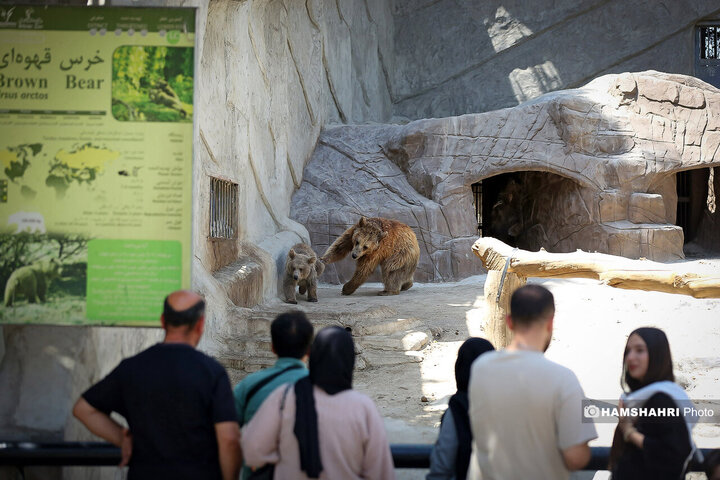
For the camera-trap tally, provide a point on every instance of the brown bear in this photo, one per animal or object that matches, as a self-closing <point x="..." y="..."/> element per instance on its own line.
<point x="301" y="270"/>
<point x="32" y="281"/>
<point x="378" y="241"/>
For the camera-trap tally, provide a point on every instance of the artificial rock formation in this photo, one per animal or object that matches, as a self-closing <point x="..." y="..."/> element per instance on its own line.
<point x="592" y="168"/>
<point x="456" y="57"/>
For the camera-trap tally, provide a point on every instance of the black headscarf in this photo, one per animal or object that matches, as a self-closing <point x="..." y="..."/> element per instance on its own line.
<point x="459" y="405"/>
<point x="332" y="359"/>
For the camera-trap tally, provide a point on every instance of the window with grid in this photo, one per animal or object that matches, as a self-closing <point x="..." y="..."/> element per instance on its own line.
<point x="710" y="42"/>
<point x="223" y="209"/>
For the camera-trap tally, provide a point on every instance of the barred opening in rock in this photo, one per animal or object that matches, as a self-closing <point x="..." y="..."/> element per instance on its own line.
<point x="478" y="204"/>
<point x="223" y="209"/>
<point x="533" y="210"/>
<point x="700" y="226"/>
<point x="707" y="53"/>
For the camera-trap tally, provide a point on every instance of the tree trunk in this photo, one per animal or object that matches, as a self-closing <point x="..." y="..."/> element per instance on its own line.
<point x="699" y="281"/>
<point x="496" y="329"/>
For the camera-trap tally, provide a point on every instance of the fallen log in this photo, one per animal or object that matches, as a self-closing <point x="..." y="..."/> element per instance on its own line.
<point x="612" y="270"/>
<point x="508" y="269"/>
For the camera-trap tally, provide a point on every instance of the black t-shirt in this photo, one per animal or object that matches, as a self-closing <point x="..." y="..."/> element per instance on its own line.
<point x="171" y="396"/>
<point x="665" y="448"/>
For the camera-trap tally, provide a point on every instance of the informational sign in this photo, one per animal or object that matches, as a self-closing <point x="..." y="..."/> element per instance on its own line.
<point x="96" y="112"/>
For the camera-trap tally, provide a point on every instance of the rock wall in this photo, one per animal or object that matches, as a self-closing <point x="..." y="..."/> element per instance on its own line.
<point x="270" y="75"/>
<point x="478" y="55"/>
<point x="612" y="148"/>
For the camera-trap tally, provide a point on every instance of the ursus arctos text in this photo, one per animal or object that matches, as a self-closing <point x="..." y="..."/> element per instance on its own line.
<point x="378" y="241"/>
<point x="32" y="281"/>
<point x="301" y="270"/>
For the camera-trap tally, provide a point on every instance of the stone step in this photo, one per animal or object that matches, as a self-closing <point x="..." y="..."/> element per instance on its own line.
<point x="374" y="320"/>
<point x="409" y="340"/>
<point x="382" y="337"/>
<point x="242" y="281"/>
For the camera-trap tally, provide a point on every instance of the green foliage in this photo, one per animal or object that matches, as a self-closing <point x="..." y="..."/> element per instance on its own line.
<point x="152" y="84"/>
<point x="183" y="86"/>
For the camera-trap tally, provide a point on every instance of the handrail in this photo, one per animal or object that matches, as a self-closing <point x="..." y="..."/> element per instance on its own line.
<point x="26" y="454"/>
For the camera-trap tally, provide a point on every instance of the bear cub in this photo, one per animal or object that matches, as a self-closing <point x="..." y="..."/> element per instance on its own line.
<point x="302" y="268"/>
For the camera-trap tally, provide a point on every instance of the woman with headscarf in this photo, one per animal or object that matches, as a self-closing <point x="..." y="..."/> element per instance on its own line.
<point x="320" y="427"/>
<point x="450" y="456"/>
<point x="651" y="446"/>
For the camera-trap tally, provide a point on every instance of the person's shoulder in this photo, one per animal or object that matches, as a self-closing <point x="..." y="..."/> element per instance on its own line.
<point x="555" y="373"/>
<point x="488" y="358"/>
<point x="142" y="356"/>
<point x="357" y="399"/>
<point x="253" y="377"/>
<point x="660" y="400"/>
<point x="561" y="371"/>
<point x="202" y="358"/>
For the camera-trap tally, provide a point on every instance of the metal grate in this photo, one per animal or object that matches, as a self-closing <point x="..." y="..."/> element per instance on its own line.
<point x="223" y="209"/>
<point x="477" y="200"/>
<point x="683" y="203"/>
<point x="710" y="42"/>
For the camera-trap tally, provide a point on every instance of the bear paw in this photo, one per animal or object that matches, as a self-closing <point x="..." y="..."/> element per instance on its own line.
<point x="347" y="290"/>
<point x="386" y="292"/>
<point x="294" y="302"/>
<point x="312" y="299"/>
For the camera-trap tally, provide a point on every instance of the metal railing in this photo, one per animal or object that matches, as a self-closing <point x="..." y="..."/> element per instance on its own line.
<point x="28" y="454"/>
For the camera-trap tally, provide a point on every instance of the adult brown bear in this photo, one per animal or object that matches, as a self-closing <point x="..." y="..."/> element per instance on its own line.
<point x="378" y="241"/>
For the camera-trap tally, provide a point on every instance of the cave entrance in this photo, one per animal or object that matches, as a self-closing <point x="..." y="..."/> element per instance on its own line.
<point x="530" y="210"/>
<point x="498" y="206"/>
<point x="697" y="209"/>
<point x="486" y="195"/>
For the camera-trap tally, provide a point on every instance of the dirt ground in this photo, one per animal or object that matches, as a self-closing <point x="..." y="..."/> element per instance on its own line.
<point x="592" y="323"/>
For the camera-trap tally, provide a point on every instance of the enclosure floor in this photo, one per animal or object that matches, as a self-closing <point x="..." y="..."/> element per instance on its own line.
<point x="592" y="323"/>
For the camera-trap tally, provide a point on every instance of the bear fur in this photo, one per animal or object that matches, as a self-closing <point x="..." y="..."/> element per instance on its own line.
<point x="378" y="241"/>
<point x="302" y="268"/>
<point x="32" y="281"/>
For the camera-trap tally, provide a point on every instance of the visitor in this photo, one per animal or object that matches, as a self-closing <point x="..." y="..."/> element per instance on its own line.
<point x="450" y="455"/>
<point x="526" y="411"/>
<point x="650" y="446"/>
<point x="712" y="465"/>
<point x="177" y="402"/>
<point x="320" y="427"/>
<point x="291" y="334"/>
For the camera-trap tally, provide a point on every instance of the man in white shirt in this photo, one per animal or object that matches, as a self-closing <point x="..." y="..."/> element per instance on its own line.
<point x="526" y="411"/>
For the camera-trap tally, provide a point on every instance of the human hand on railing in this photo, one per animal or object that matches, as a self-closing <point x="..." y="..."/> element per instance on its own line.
<point x="125" y="447"/>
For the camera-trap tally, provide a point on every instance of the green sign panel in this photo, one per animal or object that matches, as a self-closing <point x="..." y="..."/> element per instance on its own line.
<point x="96" y="112"/>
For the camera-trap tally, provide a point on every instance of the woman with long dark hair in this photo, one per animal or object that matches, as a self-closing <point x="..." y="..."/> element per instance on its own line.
<point x="320" y="427"/>
<point x="655" y="445"/>
<point x="450" y="456"/>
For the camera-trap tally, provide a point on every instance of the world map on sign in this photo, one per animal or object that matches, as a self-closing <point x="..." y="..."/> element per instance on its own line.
<point x="79" y="165"/>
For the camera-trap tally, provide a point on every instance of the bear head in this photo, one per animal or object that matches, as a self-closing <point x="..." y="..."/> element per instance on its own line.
<point x="366" y="238"/>
<point x="299" y="266"/>
<point x="51" y="268"/>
